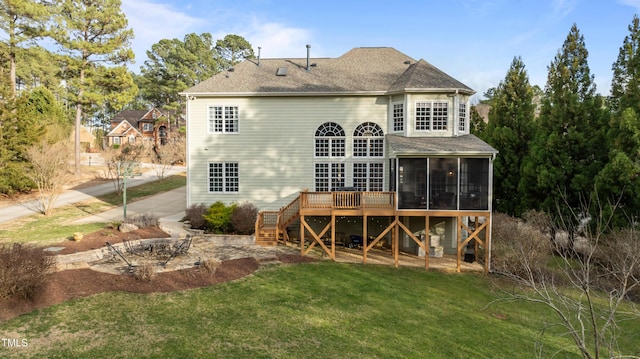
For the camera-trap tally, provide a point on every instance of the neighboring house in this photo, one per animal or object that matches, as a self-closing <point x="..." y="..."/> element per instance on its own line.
<point x="372" y="144"/>
<point x="147" y="127"/>
<point x="87" y="139"/>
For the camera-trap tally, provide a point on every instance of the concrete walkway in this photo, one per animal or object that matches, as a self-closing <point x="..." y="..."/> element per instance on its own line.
<point x="168" y="207"/>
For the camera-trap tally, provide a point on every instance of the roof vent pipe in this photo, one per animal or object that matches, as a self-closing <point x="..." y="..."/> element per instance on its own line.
<point x="308" y="48"/>
<point x="259" y="55"/>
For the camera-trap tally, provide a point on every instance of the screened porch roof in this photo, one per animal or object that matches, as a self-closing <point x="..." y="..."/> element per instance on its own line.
<point x="467" y="145"/>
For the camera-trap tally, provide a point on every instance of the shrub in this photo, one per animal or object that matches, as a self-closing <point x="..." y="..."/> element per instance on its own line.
<point x="210" y="265"/>
<point x="23" y="270"/>
<point x="195" y="215"/>
<point x="143" y="220"/>
<point x="218" y="217"/>
<point x="244" y="218"/>
<point x="144" y="273"/>
<point x="519" y="249"/>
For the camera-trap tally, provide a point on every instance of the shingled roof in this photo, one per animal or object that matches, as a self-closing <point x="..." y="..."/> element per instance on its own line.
<point x="457" y="145"/>
<point x="381" y="70"/>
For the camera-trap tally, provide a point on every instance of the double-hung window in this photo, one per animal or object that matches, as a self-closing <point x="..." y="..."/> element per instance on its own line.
<point x="224" y="177"/>
<point x="223" y="119"/>
<point x="432" y="116"/>
<point x="330" y="148"/>
<point x="368" y="176"/>
<point x="329" y="176"/>
<point x="368" y="140"/>
<point x="398" y="117"/>
<point x="147" y="127"/>
<point x="462" y="117"/>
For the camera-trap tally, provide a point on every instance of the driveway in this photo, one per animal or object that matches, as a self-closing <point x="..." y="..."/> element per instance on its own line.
<point x="169" y="206"/>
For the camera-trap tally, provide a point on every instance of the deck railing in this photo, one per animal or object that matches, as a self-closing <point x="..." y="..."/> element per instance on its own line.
<point x="347" y="200"/>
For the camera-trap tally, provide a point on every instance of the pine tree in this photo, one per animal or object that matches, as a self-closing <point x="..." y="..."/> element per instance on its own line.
<point x="23" y="21"/>
<point x="92" y="32"/>
<point x="510" y="130"/>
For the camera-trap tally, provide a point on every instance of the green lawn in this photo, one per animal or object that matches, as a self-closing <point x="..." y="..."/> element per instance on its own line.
<point x="58" y="226"/>
<point x="319" y="310"/>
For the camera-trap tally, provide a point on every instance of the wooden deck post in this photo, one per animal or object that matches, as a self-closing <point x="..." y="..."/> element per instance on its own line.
<point x="427" y="241"/>
<point x="396" y="242"/>
<point x="459" y="230"/>
<point x="302" y="236"/>
<point x="333" y="236"/>
<point x="364" y="238"/>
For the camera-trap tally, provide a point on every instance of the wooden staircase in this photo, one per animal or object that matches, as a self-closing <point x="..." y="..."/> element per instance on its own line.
<point x="271" y="226"/>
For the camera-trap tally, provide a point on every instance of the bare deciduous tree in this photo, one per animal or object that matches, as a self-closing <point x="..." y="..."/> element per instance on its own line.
<point x="49" y="171"/>
<point x="118" y="161"/>
<point x="166" y="156"/>
<point x="588" y="287"/>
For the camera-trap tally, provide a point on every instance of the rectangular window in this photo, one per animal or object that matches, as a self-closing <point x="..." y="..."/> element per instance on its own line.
<point x="398" y="117"/>
<point x="223" y="119"/>
<point x="432" y="116"/>
<point x="116" y="140"/>
<point x="368" y="176"/>
<point x="329" y="176"/>
<point x="224" y="177"/>
<point x="462" y="117"/>
<point x="329" y="147"/>
<point x="147" y="127"/>
<point x="423" y="116"/>
<point x="440" y="116"/>
<point x="360" y="147"/>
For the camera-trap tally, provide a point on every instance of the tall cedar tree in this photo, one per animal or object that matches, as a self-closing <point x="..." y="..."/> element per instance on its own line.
<point x="510" y="130"/>
<point x="568" y="147"/>
<point x="23" y="21"/>
<point x="620" y="178"/>
<point x="93" y="32"/>
<point x="174" y="66"/>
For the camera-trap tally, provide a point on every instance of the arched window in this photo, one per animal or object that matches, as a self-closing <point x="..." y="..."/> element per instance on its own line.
<point x="368" y="140"/>
<point x="330" y="140"/>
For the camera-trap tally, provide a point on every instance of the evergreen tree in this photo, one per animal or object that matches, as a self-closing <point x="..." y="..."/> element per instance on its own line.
<point x="510" y="130"/>
<point x="478" y="126"/>
<point x="174" y="66"/>
<point x="625" y="84"/>
<point x="92" y="32"/>
<point x="620" y="177"/>
<point x="233" y="49"/>
<point x="568" y="147"/>
<point x="22" y="21"/>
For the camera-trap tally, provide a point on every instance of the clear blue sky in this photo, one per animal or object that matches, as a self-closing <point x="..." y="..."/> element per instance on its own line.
<point x="474" y="41"/>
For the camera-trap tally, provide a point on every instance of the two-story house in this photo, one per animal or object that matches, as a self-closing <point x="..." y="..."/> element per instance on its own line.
<point x="373" y="145"/>
<point x="147" y="127"/>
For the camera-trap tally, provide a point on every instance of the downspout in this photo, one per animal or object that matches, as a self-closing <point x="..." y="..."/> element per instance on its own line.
<point x="188" y="156"/>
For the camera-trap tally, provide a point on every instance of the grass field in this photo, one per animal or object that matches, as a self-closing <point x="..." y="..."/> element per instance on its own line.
<point x="58" y="226"/>
<point x="319" y="310"/>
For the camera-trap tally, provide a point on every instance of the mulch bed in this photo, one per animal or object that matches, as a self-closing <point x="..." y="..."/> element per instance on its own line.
<point x="70" y="284"/>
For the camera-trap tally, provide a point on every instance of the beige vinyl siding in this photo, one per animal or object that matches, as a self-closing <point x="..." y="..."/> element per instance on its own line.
<point x="410" y="115"/>
<point x="274" y="146"/>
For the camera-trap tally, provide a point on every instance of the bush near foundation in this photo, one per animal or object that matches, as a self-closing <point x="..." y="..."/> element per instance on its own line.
<point x="23" y="270"/>
<point x="218" y="217"/>
<point x="195" y="215"/>
<point x="244" y="218"/>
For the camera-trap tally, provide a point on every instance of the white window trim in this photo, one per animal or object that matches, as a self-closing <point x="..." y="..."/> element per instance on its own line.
<point x="224" y="177"/>
<point x="464" y="120"/>
<point x="430" y="126"/>
<point x="393" y="116"/>
<point x="211" y="130"/>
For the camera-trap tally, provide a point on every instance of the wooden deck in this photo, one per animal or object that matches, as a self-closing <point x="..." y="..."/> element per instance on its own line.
<point x="271" y="226"/>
